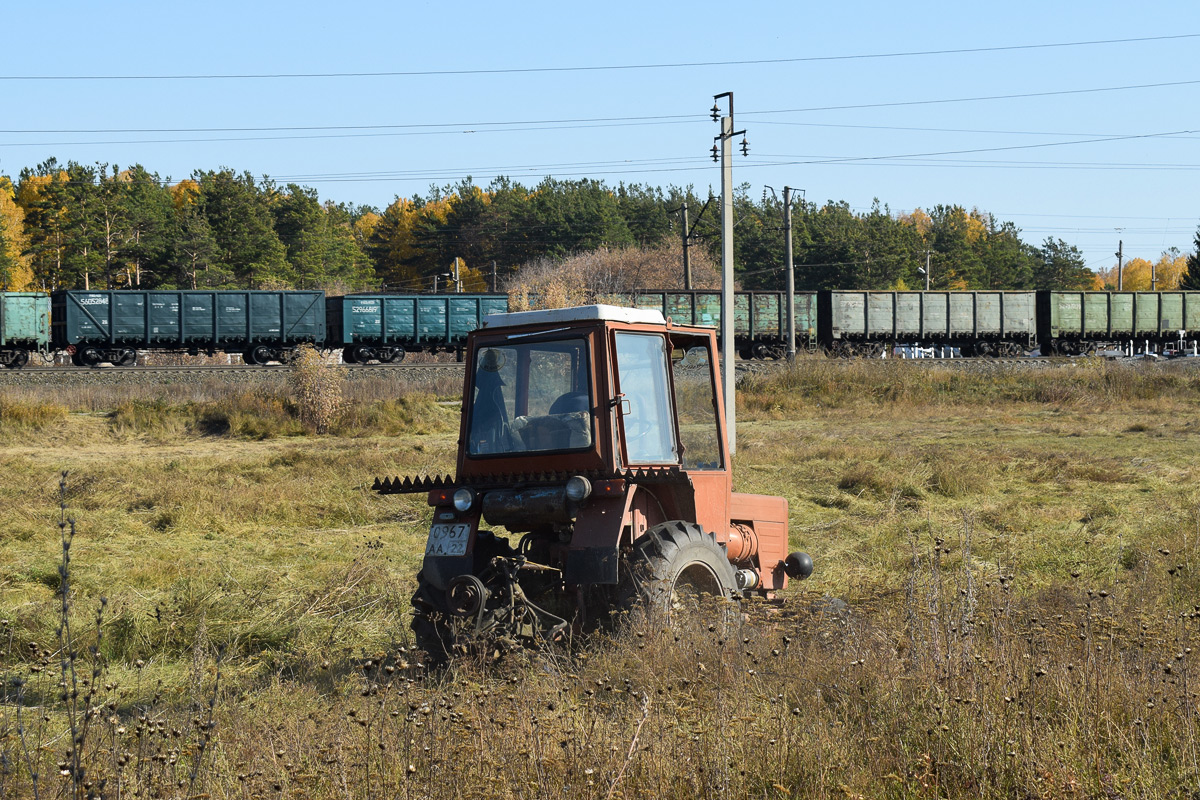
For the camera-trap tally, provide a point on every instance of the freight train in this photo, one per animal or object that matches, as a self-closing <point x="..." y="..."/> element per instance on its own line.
<point x="97" y="327"/>
<point x="845" y="323"/>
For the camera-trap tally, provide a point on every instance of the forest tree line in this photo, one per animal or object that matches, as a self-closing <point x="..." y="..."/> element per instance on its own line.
<point x="77" y="226"/>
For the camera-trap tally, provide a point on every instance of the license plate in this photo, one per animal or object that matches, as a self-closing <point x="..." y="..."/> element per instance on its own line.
<point x="448" y="540"/>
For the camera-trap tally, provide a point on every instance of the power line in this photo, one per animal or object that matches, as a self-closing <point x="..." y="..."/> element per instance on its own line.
<point x="594" y="68"/>
<point x="462" y="132"/>
<point x="987" y="149"/>
<point x="911" y="129"/>
<point x="1021" y="96"/>
<point x="413" y="125"/>
<point x="322" y="131"/>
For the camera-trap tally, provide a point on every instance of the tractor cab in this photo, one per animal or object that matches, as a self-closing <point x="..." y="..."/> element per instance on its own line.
<point x="592" y="457"/>
<point x="597" y="388"/>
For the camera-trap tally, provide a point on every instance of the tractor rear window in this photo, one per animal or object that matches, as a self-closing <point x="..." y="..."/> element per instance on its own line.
<point x="531" y="397"/>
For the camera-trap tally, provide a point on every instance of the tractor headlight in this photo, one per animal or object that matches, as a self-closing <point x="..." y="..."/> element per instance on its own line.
<point x="578" y="489"/>
<point x="464" y="498"/>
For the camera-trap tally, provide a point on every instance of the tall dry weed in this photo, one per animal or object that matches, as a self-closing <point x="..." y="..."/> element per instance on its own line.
<point x="30" y="414"/>
<point x="319" y="386"/>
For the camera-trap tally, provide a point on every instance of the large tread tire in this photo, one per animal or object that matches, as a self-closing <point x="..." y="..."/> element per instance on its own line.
<point x="432" y="632"/>
<point x="671" y="562"/>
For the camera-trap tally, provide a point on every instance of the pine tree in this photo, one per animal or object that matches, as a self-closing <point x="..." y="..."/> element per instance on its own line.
<point x="1191" y="277"/>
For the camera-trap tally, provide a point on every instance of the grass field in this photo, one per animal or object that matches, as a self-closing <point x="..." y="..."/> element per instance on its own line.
<point x="1005" y="603"/>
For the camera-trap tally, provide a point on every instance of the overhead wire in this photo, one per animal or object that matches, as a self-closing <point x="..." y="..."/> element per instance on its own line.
<point x="599" y="67"/>
<point x="461" y="128"/>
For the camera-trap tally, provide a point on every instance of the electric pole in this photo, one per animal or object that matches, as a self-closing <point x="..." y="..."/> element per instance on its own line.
<point x="791" y="274"/>
<point x="1120" y="265"/>
<point x="727" y="305"/>
<point x="928" y="255"/>
<point x="687" y="261"/>
<point x="790" y="271"/>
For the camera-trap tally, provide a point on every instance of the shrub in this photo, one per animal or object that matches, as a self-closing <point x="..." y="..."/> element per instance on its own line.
<point x="318" y="384"/>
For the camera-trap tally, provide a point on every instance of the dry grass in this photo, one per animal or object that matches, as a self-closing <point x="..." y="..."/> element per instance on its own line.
<point x="1020" y="580"/>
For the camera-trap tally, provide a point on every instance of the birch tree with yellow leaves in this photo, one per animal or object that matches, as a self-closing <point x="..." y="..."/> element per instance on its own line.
<point x="15" y="272"/>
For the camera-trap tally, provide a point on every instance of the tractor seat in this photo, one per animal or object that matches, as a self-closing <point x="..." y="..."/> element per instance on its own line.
<point x="571" y="401"/>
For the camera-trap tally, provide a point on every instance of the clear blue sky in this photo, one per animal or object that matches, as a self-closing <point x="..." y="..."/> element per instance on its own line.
<point x="527" y="102"/>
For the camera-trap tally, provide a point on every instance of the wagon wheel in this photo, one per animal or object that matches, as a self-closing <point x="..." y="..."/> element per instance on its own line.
<point x="670" y="569"/>
<point x="395" y="355"/>
<point x="364" y="353"/>
<point x="20" y="358"/>
<point x="348" y="356"/>
<point x="128" y="358"/>
<point x="89" y="357"/>
<point x="259" y="355"/>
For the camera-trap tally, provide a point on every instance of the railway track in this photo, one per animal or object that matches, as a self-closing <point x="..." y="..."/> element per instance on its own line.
<point x="412" y="375"/>
<point x="228" y="369"/>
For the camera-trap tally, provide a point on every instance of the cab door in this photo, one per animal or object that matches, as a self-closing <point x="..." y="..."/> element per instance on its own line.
<point x="644" y="400"/>
<point x="702" y="445"/>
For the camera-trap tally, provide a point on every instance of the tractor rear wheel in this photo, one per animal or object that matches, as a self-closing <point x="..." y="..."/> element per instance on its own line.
<point x="671" y="568"/>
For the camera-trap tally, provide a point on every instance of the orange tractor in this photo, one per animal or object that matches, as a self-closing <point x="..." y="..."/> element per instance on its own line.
<point x="595" y="438"/>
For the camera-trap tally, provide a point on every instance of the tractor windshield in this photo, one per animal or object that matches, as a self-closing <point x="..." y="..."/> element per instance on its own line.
<point x="530" y="397"/>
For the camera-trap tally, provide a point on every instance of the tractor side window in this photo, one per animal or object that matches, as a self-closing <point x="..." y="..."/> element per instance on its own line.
<point x="646" y="403"/>
<point x="695" y="403"/>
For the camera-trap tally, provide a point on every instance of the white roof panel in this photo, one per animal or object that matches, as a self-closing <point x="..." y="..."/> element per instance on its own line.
<point x="555" y="316"/>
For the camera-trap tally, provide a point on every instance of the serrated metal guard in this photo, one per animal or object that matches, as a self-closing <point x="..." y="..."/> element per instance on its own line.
<point x="411" y="485"/>
<point x="419" y="485"/>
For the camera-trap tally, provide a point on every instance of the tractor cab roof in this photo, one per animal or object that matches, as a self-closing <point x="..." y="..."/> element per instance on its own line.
<point x="558" y="316"/>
